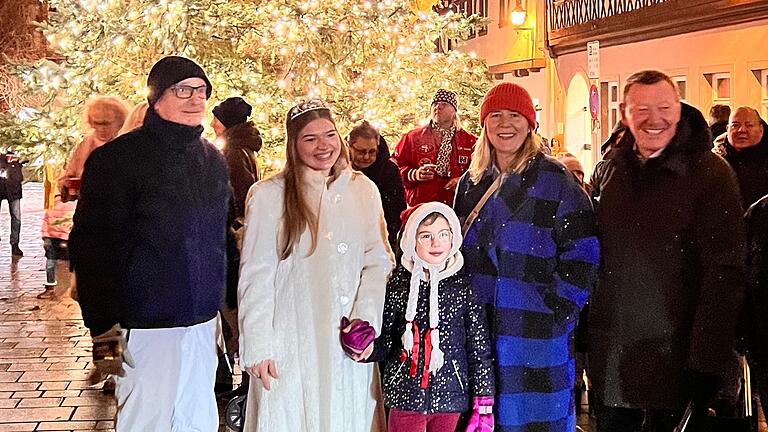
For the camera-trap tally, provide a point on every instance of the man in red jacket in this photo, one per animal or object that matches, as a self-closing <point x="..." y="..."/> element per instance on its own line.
<point x="433" y="157"/>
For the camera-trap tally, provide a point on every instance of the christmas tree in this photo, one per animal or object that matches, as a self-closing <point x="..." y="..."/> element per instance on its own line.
<point x="369" y="59"/>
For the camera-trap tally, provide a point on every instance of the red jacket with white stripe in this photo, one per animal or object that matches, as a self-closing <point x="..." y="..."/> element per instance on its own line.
<point x="420" y="147"/>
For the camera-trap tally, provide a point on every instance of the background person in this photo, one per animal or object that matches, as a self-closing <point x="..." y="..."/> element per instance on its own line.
<point x="369" y="154"/>
<point x="11" y="178"/>
<point x="105" y="116"/>
<point x="433" y="157"/>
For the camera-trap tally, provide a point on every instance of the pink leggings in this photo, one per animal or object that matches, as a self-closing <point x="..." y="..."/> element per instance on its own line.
<point x="410" y="421"/>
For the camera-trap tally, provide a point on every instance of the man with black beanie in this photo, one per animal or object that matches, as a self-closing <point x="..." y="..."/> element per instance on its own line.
<point x="148" y="249"/>
<point x="240" y="141"/>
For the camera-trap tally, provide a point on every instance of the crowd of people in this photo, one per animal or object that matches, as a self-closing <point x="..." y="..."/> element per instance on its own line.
<point x="442" y="288"/>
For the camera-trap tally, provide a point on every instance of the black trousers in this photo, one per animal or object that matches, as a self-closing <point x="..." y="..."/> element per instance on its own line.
<point x="613" y="419"/>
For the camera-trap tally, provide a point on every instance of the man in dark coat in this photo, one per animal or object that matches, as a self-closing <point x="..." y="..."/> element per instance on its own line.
<point x="718" y="119"/>
<point x="369" y="154"/>
<point x="662" y="319"/>
<point x="10" y="189"/>
<point x="241" y="141"/>
<point x="148" y="249"/>
<point x="746" y="150"/>
<point x="757" y="303"/>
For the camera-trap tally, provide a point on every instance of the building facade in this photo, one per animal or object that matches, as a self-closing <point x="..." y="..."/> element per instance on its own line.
<point x="713" y="49"/>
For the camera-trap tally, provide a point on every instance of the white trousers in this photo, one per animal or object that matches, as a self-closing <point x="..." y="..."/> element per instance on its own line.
<point x="170" y="389"/>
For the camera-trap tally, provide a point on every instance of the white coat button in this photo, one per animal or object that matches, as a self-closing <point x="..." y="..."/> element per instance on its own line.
<point x="344" y="300"/>
<point x="337" y="198"/>
<point x="342" y="248"/>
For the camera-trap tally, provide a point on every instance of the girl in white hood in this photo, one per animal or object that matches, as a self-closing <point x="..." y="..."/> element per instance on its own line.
<point x="434" y="337"/>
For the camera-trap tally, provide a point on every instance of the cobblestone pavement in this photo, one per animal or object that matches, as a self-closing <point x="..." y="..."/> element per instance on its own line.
<point x="45" y="351"/>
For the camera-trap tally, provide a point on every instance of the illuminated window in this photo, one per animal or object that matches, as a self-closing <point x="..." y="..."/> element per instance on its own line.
<point x="681" y="81"/>
<point x="721" y="88"/>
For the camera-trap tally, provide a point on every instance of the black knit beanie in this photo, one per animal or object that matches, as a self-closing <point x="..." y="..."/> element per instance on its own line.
<point x="169" y="71"/>
<point x="232" y="111"/>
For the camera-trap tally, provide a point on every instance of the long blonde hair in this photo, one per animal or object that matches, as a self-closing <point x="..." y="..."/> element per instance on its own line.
<point x="135" y="118"/>
<point x="484" y="155"/>
<point x="297" y="214"/>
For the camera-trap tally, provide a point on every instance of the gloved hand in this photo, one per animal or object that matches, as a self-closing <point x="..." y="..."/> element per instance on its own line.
<point x="482" y="415"/>
<point x="110" y="351"/>
<point x="701" y="388"/>
<point x="358" y="338"/>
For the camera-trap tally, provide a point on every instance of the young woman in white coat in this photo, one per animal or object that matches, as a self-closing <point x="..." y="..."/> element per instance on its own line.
<point x="315" y="250"/>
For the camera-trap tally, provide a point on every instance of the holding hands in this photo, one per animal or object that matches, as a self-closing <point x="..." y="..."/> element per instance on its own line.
<point x="356" y="338"/>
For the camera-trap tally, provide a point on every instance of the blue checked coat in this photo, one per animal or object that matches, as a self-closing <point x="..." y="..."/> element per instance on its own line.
<point x="532" y="256"/>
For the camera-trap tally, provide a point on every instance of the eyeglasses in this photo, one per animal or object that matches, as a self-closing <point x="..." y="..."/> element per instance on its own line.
<point x="366" y="153"/>
<point x="426" y="238"/>
<point x="186" y="92"/>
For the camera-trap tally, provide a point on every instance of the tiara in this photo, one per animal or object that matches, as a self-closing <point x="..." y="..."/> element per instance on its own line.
<point x="306" y="106"/>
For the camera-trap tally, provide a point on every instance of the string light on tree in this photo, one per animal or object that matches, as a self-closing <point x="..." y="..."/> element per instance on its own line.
<point x="372" y="59"/>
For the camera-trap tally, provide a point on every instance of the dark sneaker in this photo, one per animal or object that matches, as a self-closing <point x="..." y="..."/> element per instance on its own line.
<point x="16" y="251"/>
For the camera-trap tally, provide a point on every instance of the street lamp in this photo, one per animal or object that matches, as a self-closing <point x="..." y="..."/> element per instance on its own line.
<point x="518" y="15"/>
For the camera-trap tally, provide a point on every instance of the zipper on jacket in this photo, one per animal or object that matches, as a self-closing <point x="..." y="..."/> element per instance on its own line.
<point x="458" y="375"/>
<point x="397" y="374"/>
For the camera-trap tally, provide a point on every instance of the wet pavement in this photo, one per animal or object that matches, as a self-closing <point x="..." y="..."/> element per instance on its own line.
<point x="45" y="351"/>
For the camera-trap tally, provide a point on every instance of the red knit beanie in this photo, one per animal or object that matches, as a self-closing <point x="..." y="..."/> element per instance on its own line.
<point x="511" y="97"/>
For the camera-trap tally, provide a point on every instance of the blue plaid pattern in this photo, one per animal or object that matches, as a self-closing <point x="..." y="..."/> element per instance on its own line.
<point x="532" y="255"/>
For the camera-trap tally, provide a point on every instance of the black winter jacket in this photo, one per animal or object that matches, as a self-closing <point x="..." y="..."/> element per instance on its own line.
<point x="241" y="143"/>
<point x="672" y="271"/>
<point x="751" y="167"/>
<point x="464" y="339"/>
<point x="148" y="243"/>
<point x="755" y="320"/>
<point x="10" y="185"/>
<point x="385" y="174"/>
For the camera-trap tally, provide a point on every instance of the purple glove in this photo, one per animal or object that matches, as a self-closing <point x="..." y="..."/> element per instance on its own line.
<point x="359" y="337"/>
<point x="482" y="415"/>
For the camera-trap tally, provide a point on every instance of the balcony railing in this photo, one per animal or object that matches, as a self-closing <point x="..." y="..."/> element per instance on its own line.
<point x="573" y="23"/>
<point x="569" y="13"/>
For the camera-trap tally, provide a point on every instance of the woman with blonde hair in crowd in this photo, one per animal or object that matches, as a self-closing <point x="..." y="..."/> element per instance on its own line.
<point x="104" y="116"/>
<point x="135" y="118"/>
<point x="531" y="253"/>
<point x="313" y="273"/>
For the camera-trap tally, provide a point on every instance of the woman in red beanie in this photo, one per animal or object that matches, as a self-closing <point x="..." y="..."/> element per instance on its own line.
<point x="532" y="255"/>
